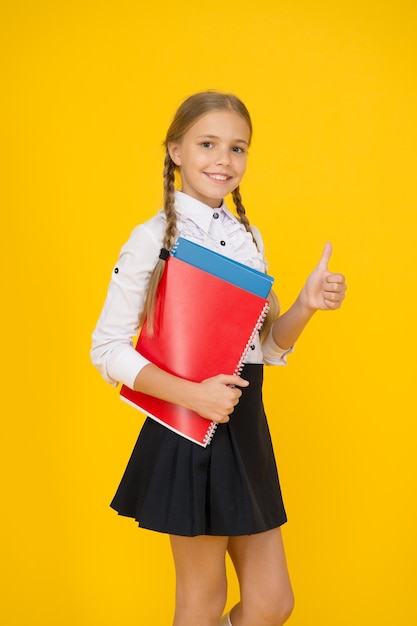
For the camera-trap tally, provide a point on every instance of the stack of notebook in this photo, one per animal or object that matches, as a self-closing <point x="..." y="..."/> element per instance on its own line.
<point x="208" y="310"/>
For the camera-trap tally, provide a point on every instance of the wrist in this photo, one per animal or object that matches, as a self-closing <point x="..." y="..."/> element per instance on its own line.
<point x="189" y="394"/>
<point x="304" y="305"/>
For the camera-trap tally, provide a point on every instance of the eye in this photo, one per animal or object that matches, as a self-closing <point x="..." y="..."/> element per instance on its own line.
<point x="206" y="144"/>
<point x="238" y="149"/>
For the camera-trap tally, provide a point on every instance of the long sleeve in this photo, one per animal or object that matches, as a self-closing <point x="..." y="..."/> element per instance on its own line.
<point x="273" y="354"/>
<point x="112" y="350"/>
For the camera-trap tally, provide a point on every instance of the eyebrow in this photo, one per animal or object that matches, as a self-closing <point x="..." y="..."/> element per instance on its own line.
<point x="208" y="136"/>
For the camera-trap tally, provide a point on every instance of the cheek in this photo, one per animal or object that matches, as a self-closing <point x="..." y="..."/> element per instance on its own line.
<point x="201" y="160"/>
<point x="241" y="166"/>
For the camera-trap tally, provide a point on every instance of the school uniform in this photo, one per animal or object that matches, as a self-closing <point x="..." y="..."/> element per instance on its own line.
<point x="172" y="485"/>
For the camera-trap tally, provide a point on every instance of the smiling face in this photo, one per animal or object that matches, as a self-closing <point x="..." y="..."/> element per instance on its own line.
<point x="212" y="156"/>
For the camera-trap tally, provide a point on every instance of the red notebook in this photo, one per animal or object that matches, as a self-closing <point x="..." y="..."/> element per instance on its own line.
<point x="203" y="327"/>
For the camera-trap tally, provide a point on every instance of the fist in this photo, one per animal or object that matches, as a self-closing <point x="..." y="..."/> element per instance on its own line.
<point x="324" y="290"/>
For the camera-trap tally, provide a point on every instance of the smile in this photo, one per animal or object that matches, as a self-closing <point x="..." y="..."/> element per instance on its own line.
<point x="220" y="178"/>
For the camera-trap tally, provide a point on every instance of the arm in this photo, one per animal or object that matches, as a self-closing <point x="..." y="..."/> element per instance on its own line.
<point x="112" y="350"/>
<point x="214" y="398"/>
<point x="323" y="290"/>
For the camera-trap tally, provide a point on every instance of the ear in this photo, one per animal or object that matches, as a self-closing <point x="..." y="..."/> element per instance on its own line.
<point x="174" y="150"/>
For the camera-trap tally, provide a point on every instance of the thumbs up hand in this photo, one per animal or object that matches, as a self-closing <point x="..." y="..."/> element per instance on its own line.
<point x="324" y="290"/>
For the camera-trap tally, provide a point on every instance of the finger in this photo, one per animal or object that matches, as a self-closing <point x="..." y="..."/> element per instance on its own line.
<point x="236" y="394"/>
<point x="332" y="304"/>
<point x="236" y="381"/>
<point x="334" y="288"/>
<point x="221" y="419"/>
<point x="325" y="257"/>
<point x="333" y="298"/>
<point x="335" y="278"/>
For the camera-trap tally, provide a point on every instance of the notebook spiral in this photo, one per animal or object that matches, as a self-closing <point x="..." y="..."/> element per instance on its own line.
<point x="210" y="434"/>
<point x="256" y="329"/>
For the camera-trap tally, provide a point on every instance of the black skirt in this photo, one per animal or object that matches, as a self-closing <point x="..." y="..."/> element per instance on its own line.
<point x="230" y="488"/>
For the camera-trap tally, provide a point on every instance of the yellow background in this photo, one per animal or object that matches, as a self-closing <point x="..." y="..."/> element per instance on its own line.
<point x="89" y="90"/>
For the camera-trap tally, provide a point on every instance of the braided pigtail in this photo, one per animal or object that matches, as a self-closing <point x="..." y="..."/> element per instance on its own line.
<point x="169" y="240"/>
<point x="273" y="311"/>
<point x="237" y="199"/>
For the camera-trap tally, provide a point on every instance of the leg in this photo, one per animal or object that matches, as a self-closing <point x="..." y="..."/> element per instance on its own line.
<point x="200" y="578"/>
<point x="265" y="588"/>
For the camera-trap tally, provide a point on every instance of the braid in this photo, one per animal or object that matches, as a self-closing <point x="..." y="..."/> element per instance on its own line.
<point x="169" y="202"/>
<point x="237" y="199"/>
<point x="273" y="311"/>
<point x="168" y="242"/>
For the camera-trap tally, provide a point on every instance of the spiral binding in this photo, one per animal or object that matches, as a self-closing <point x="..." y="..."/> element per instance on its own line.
<point x="257" y="327"/>
<point x="210" y="433"/>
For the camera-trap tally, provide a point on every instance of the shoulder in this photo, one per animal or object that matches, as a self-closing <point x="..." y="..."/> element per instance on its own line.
<point x="140" y="252"/>
<point x="153" y="228"/>
<point x="148" y="234"/>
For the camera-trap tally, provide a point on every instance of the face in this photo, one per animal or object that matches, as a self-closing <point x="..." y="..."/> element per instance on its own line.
<point x="212" y="156"/>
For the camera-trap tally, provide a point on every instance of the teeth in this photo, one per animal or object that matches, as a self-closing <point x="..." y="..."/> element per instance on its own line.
<point x="218" y="177"/>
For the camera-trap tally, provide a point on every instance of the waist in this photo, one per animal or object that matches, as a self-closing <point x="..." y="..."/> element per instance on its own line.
<point x="253" y="372"/>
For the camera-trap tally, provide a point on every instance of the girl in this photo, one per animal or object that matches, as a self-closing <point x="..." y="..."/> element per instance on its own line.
<point x="226" y="497"/>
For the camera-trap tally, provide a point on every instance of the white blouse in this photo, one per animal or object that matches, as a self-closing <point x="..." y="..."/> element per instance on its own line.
<point x="113" y="352"/>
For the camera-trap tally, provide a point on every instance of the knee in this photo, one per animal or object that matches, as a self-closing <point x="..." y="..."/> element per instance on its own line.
<point x="279" y="610"/>
<point x="285" y="609"/>
<point x="214" y="603"/>
<point x="269" y="611"/>
<point x="200" y="600"/>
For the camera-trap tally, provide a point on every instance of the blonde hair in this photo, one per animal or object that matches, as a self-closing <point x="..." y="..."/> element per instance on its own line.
<point x="189" y="112"/>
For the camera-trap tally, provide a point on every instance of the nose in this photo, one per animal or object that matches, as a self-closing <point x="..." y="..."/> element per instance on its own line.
<point x="223" y="156"/>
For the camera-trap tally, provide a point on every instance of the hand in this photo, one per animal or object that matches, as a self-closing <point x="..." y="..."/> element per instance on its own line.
<point x="217" y="397"/>
<point x="324" y="290"/>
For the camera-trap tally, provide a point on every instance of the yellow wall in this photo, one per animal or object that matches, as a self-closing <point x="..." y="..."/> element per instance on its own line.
<point x="90" y="88"/>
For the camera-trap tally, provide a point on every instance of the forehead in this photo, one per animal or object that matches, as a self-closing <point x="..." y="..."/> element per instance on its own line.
<point x="228" y="124"/>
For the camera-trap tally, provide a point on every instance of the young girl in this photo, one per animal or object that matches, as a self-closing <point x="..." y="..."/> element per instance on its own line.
<point x="225" y="497"/>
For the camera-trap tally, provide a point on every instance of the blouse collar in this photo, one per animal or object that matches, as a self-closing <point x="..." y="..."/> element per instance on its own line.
<point x="198" y="212"/>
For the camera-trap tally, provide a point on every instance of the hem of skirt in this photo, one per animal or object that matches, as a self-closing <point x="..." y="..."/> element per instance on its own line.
<point x="198" y="533"/>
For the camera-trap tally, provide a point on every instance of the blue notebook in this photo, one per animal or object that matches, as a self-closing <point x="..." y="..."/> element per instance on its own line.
<point x="223" y="267"/>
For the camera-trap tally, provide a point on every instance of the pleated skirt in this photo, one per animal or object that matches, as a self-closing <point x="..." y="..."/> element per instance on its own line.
<point x="231" y="487"/>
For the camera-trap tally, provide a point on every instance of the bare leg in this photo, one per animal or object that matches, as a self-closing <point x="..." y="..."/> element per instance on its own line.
<point x="200" y="578"/>
<point x="265" y="588"/>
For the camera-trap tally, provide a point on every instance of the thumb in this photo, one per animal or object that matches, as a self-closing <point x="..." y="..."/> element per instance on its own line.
<point x="234" y="380"/>
<point x="325" y="257"/>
